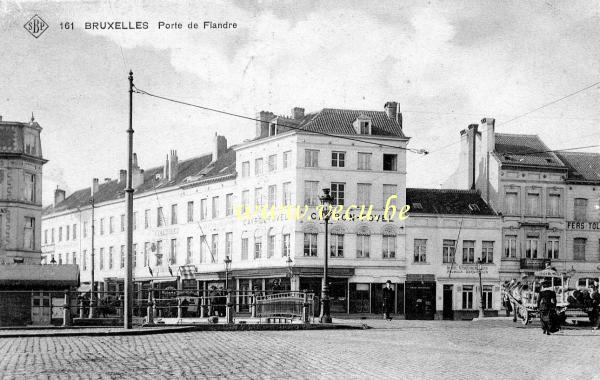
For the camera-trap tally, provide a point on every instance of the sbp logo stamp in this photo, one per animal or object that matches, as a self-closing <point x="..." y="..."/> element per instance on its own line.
<point x="36" y="26"/>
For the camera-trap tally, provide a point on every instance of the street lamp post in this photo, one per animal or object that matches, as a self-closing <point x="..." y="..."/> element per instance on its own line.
<point x="128" y="304"/>
<point x="479" y="268"/>
<point x="227" y="268"/>
<point x="326" y="201"/>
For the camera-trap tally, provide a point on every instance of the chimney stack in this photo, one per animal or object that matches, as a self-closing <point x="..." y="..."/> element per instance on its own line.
<point x="262" y="123"/>
<point x="472" y="155"/>
<point x="95" y="186"/>
<point x="173" y="165"/>
<point x="297" y="113"/>
<point x="219" y="147"/>
<point x="391" y="108"/>
<point x="137" y="175"/>
<point x="166" y="169"/>
<point x="122" y="175"/>
<point x="59" y="196"/>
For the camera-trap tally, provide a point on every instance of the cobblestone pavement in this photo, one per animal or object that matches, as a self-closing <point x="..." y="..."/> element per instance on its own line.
<point x="397" y="349"/>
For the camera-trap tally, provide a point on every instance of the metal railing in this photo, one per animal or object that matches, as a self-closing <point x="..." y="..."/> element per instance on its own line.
<point x="152" y="305"/>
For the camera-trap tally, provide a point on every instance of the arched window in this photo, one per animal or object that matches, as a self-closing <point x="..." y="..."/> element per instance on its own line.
<point x="311" y="232"/>
<point x="388" y="246"/>
<point x="336" y="241"/>
<point x="363" y="242"/>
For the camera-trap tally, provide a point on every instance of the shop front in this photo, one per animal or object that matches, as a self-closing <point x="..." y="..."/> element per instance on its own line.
<point x="420" y="299"/>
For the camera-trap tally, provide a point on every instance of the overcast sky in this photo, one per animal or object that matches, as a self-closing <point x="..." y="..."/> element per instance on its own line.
<point x="448" y="64"/>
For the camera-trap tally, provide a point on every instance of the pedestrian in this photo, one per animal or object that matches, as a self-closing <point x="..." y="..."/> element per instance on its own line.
<point x="388" y="301"/>
<point x="547" y="308"/>
<point x="595" y="305"/>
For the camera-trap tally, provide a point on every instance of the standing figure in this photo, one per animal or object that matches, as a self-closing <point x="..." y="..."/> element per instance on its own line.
<point x="547" y="308"/>
<point x="388" y="301"/>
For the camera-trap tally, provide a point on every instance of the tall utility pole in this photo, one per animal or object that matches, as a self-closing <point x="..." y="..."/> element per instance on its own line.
<point x="93" y="288"/>
<point x="128" y="305"/>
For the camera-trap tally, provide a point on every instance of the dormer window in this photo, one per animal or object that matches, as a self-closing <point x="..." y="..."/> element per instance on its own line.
<point x="362" y="125"/>
<point x="272" y="129"/>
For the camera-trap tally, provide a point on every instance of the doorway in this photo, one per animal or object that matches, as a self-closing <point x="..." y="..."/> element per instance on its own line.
<point x="448" y="312"/>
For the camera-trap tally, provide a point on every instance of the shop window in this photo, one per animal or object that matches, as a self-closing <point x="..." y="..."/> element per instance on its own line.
<point x="579" y="248"/>
<point x="468" y="251"/>
<point x="420" y="251"/>
<point x="467" y="297"/>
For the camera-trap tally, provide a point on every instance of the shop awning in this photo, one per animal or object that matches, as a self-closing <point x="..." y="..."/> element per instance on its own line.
<point x="187" y="272"/>
<point x="30" y="276"/>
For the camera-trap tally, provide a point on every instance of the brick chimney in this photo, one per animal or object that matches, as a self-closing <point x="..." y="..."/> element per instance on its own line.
<point x="166" y="168"/>
<point x="122" y="175"/>
<point x="297" y="113"/>
<point x="95" y="186"/>
<point x="59" y="196"/>
<point x="392" y="110"/>
<point x="262" y="123"/>
<point x="219" y="146"/>
<point x="137" y="175"/>
<point x="173" y="165"/>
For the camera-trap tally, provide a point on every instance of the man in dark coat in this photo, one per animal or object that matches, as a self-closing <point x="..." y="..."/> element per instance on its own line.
<point x="388" y="301"/>
<point x="547" y="308"/>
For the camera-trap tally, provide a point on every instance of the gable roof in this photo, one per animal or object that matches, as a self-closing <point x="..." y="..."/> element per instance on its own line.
<point x="446" y="201"/>
<point x="339" y="121"/>
<point x="189" y="171"/>
<point x="583" y="166"/>
<point x="524" y="150"/>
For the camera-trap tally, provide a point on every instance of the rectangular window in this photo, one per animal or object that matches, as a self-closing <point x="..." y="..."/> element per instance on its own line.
<point x="310" y="244"/>
<point x="467" y="297"/>
<point x="468" y="251"/>
<point x="122" y="257"/>
<point x="311" y="158"/>
<point x="363" y="246"/>
<point x="68" y="233"/>
<point x="173" y="214"/>
<point x="134" y="256"/>
<point x="364" y="161"/>
<point x="258" y="196"/>
<point x="258" y="166"/>
<point x="122" y="222"/>
<point x="487" y="252"/>
<point x="579" y="248"/>
<point x="448" y="251"/>
<point x="134" y="220"/>
<point x="146" y="219"/>
<point x="84" y="259"/>
<point x="510" y="246"/>
<point x="365" y="128"/>
<point x="311" y="193"/>
<point x="85" y="229"/>
<point x="173" y="252"/>
<point x="160" y="217"/>
<point x="74" y="258"/>
<point x="159" y="253"/>
<point x="286" y="159"/>
<point x="214" y="246"/>
<point x="60" y="233"/>
<point x="388" y="192"/>
<point x="189" y="250"/>
<point x="533" y="204"/>
<point x="580" y="209"/>
<point x="30" y="188"/>
<point x="336" y="245"/>
<point x="272" y="195"/>
<point x="111" y="225"/>
<point x="553" y="204"/>
<point x="215" y="207"/>
<point x="257" y="247"/>
<point x="229" y="204"/>
<point x="389" y="247"/>
<point x="245" y="198"/>
<point x="338" y="159"/>
<point x="203" y="209"/>
<point x="338" y="192"/>
<point x="531" y="248"/>
<point x="271" y="246"/>
<point x="487" y="297"/>
<point x="45" y="236"/>
<point x="74" y="231"/>
<point x="552" y="248"/>
<point x="203" y="249"/>
<point x="363" y="194"/>
<point x="190" y="211"/>
<point x="246" y="169"/>
<point x="420" y="252"/>
<point x="285" y="246"/>
<point x="111" y="252"/>
<point x="272" y="162"/>
<point x="390" y="162"/>
<point x="229" y="244"/>
<point x="101" y="259"/>
<point x="287" y="193"/>
<point x="511" y="203"/>
<point x="146" y="254"/>
<point x="101" y="229"/>
<point x="29" y="233"/>
<point x="60" y="259"/>
<point x="244" y="248"/>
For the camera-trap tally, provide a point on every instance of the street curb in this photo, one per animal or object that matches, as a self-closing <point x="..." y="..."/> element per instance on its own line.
<point x="64" y="332"/>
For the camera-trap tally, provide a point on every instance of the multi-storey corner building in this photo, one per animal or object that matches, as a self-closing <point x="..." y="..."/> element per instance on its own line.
<point x="188" y="219"/>
<point x="537" y="192"/>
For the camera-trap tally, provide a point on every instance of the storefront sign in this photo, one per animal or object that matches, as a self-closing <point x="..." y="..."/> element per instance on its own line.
<point x="583" y="226"/>
<point x="465" y="269"/>
<point x="167" y="232"/>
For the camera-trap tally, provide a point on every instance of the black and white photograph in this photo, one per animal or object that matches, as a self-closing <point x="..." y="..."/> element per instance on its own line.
<point x="301" y="189"/>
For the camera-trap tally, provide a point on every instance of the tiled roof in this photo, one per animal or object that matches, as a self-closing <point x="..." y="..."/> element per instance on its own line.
<point x="194" y="169"/>
<point x="446" y="201"/>
<point x="582" y="166"/>
<point x="527" y="150"/>
<point x="338" y="121"/>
